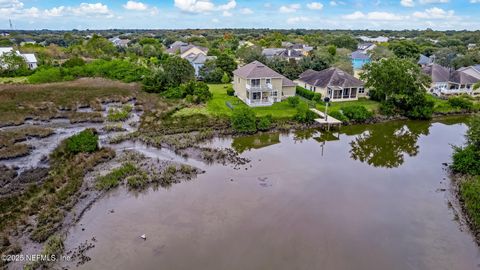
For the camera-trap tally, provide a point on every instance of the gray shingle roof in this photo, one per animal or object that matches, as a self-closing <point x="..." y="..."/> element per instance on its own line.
<point x="330" y="77"/>
<point x="437" y="72"/>
<point x="462" y="78"/>
<point x="256" y="70"/>
<point x="424" y="60"/>
<point x="359" y="55"/>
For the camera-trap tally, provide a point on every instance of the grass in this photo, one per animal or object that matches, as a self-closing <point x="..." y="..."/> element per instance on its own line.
<point x="118" y="115"/>
<point x="115" y="177"/>
<point x="18" y="102"/>
<point x="443" y="106"/>
<point x="217" y="106"/>
<point x="371" y="105"/>
<point x="13" y="80"/>
<point x="470" y="195"/>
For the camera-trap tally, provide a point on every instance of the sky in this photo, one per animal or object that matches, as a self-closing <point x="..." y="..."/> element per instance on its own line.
<point x="280" y="14"/>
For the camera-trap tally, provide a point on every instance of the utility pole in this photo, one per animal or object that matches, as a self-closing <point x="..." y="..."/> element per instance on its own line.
<point x="11" y="24"/>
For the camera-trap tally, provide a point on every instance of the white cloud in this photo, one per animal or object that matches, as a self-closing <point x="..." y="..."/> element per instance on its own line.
<point x="474" y="1"/>
<point x="95" y="9"/>
<point x="407" y="3"/>
<point x="295" y="20"/>
<point x="202" y="6"/>
<point x="227" y="13"/>
<point x="133" y="5"/>
<point x="289" y="8"/>
<point x="246" y="11"/>
<point x="434" y="13"/>
<point x="425" y="2"/>
<point x="374" y="16"/>
<point x="15" y="8"/>
<point x="315" y="5"/>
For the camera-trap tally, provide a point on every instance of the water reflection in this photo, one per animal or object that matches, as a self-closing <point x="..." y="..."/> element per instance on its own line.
<point x="245" y="143"/>
<point x="386" y="145"/>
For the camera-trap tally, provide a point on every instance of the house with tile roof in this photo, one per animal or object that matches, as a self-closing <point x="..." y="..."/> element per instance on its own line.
<point x="334" y="83"/>
<point x="258" y="85"/>
<point x="450" y="82"/>
<point x="196" y="55"/>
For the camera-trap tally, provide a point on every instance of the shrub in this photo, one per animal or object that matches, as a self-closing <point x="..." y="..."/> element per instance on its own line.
<point x="46" y="75"/>
<point x="466" y="160"/>
<point x="293" y="101"/>
<point x="74" y="62"/>
<point x="243" y="120"/>
<point x="338" y="115"/>
<point x="470" y="194"/>
<point x="305" y="93"/>
<point x="317" y="97"/>
<point x="84" y="142"/>
<point x="225" y="78"/>
<point x="230" y="91"/>
<point x="116" y="115"/>
<point x="460" y="102"/>
<point x="357" y="113"/>
<point x="116" y="176"/>
<point x="304" y="114"/>
<point x="387" y="108"/>
<point x="265" y="123"/>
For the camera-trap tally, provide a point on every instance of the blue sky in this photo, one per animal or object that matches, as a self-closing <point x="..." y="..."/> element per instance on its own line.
<point x="172" y="14"/>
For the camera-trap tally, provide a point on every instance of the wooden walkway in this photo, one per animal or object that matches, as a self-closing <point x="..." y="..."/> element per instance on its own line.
<point x="325" y="120"/>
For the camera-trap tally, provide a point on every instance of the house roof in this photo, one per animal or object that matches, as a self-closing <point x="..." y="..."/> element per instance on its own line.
<point x="462" y="78"/>
<point x="5" y="50"/>
<point x="256" y="70"/>
<point x="359" y="55"/>
<point x="30" y="57"/>
<point x="364" y="46"/>
<point x="307" y="72"/>
<point x="177" y="44"/>
<point x="437" y="72"/>
<point x="331" y="77"/>
<point x="424" y="60"/>
<point x="198" y="58"/>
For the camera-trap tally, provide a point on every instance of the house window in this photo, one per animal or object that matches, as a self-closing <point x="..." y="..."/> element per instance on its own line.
<point x="353" y="93"/>
<point x="329" y="92"/>
<point x="361" y="90"/>
<point x="268" y="81"/>
<point x="274" y="93"/>
<point x="256" y="96"/>
<point x="314" y="89"/>
<point x="255" y="82"/>
<point x="346" y="93"/>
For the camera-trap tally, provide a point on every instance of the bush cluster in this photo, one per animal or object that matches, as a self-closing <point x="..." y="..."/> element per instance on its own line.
<point x="243" y="120"/>
<point x="195" y="92"/>
<point x="357" y="113"/>
<point x="84" y="142"/>
<point x="304" y="114"/>
<point x="310" y="95"/>
<point x="264" y="123"/>
<point x="461" y="102"/>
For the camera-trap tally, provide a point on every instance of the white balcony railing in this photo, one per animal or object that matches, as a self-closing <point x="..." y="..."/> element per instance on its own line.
<point x="259" y="88"/>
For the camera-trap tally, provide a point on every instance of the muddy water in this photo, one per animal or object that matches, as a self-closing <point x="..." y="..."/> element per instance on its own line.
<point x="368" y="197"/>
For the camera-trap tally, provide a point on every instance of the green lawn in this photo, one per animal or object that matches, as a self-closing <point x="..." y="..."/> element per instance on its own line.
<point x="371" y="105"/>
<point x="13" y="80"/>
<point x="217" y="106"/>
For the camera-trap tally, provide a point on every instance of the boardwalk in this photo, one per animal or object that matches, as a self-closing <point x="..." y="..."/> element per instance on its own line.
<point x="326" y="120"/>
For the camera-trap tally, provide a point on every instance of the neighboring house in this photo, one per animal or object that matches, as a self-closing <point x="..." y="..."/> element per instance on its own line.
<point x="425" y="60"/>
<point x="198" y="61"/>
<point x="28" y="41"/>
<point x="258" y="85"/>
<point x="380" y="39"/>
<point x="359" y="59"/>
<point x="302" y="48"/>
<point x="449" y="82"/>
<point x="334" y="83"/>
<point x="366" y="47"/>
<point x="471" y="46"/>
<point x="196" y="55"/>
<point x="122" y="43"/>
<point x="472" y="71"/>
<point x="282" y="53"/>
<point x="29" y="58"/>
<point x="4" y="34"/>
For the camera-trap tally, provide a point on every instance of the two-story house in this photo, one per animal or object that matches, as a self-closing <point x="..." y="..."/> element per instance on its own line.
<point x="258" y="85"/>
<point x="450" y="82"/>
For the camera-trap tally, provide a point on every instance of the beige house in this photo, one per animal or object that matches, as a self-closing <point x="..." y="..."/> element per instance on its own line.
<point x="258" y="85"/>
<point x="334" y="83"/>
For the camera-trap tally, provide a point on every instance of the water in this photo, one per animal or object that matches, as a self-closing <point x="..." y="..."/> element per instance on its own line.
<point x="367" y="197"/>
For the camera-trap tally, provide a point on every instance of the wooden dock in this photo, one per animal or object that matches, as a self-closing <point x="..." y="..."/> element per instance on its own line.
<point x="326" y="120"/>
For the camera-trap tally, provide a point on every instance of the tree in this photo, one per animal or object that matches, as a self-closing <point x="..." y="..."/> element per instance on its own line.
<point x="225" y="78"/>
<point x="344" y="41"/>
<point x="243" y="120"/>
<point x="250" y="54"/>
<point x="99" y="46"/>
<point x="405" y="49"/>
<point x="226" y="63"/>
<point x="381" y="52"/>
<point x="178" y="71"/>
<point x="12" y="64"/>
<point x="399" y="83"/>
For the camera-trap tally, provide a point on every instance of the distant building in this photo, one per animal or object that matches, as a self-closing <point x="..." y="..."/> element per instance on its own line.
<point x="258" y="85"/>
<point x="121" y="43"/>
<point x="450" y="82"/>
<point x="196" y="55"/>
<point x="282" y="53"/>
<point x="28" y="41"/>
<point x="29" y="58"/>
<point x="334" y="83"/>
<point x="380" y="39"/>
<point x="426" y="60"/>
<point x="359" y="59"/>
<point x="366" y="47"/>
<point x="473" y="71"/>
<point x="471" y="46"/>
<point x="4" y="34"/>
